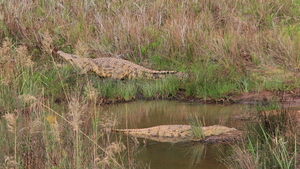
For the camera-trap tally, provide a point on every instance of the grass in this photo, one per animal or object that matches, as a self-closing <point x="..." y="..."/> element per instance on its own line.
<point x="244" y="47"/>
<point x="226" y="48"/>
<point x="165" y="88"/>
<point x="270" y="143"/>
<point x="37" y="132"/>
<point x="44" y="137"/>
<point x="196" y="127"/>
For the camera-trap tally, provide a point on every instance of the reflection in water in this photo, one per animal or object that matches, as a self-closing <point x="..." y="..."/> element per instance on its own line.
<point x="197" y="151"/>
<point x="142" y="114"/>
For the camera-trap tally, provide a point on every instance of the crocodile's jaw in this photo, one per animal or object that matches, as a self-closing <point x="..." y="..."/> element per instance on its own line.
<point x="83" y="63"/>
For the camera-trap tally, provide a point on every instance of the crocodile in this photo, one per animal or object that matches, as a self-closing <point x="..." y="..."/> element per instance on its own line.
<point x="181" y="133"/>
<point x="116" y="68"/>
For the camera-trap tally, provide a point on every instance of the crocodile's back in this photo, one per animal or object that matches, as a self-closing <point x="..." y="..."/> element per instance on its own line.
<point x="175" y="133"/>
<point x="122" y="69"/>
<point x="169" y="131"/>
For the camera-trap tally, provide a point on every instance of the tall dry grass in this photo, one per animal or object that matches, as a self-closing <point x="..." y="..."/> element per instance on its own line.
<point x="254" y="44"/>
<point x="272" y="142"/>
<point x="227" y="46"/>
<point x="234" y="33"/>
<point x="38" y="133"/>
<point x="45" y="139"/>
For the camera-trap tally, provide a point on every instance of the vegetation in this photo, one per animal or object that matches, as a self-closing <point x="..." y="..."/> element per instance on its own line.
<point x="272" y="142"/>
<point x="196" y="127"/>
<point x="227" y="47"/>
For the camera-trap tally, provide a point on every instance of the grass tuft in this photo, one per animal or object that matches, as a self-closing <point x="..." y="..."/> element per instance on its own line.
<point x="197" y="127"/>
<point x="271" y="142"/>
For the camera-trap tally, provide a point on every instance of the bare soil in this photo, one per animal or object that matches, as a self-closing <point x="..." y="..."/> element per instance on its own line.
<point x="288" y="98"/>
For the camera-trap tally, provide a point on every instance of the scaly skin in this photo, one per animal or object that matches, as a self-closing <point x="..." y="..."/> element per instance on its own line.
<point x="174" y="133"/>
<point x="116" y="68"/>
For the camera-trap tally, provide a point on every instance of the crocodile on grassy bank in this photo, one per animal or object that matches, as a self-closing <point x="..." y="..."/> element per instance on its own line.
<point x="116" y="68"/>
<point x="181" y="133"/>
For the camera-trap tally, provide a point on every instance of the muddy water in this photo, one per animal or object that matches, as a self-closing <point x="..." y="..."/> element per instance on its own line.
<point x="141" y="114"/>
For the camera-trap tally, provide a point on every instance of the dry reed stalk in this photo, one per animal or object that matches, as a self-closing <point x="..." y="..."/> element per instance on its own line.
<point x="7" y="63"/>
<point x="242" y="159"/>
<point x="23" y="58"/>
<point x="111" y="158"/>
<point x="6" y="49"/>
<point x="108" y="121"/>
<point x="76" y="111"/>
<point x="111" y="150"/>
<point x="47" y="42"/>
<point x="91" y="93"/>
<point x="32" y="102"/>
<point x="10" y="162"/>
<point x="11" y="120"/>
<point x="81" y="49"/>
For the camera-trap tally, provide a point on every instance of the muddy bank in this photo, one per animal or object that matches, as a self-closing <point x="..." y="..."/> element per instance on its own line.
<point x="264" y="97"/>
<point x="288" y="98"/>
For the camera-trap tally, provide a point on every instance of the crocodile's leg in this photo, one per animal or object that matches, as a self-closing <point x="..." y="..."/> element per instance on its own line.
<point x="119" y="73"/>
<point x="86" y="68"/>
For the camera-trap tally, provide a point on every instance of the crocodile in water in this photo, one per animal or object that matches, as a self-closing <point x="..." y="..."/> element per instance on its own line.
<point x="116" y="68"/>
<point x="175" y="133"/>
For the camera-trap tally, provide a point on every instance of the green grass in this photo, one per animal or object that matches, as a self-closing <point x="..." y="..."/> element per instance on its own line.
<point x="165" y="88"/>
<point x="211" y="81"/>
<point x="257" y="48"/>
<point x="270" y="143"/>
<point x="196" y="127"/>
<point x="226" y="47"/>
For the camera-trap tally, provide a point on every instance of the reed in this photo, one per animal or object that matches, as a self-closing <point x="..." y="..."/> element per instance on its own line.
<point x="226" y="47"/>
<point x="40" y="133"/>
<point x="248" y="46"/>
<point x="271" y="142"/>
